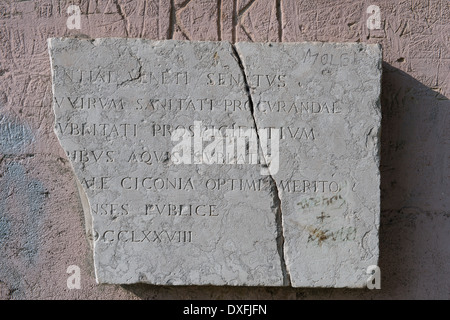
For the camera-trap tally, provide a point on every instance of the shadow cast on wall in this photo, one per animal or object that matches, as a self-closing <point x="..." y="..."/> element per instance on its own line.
<point x="415" y="214"/>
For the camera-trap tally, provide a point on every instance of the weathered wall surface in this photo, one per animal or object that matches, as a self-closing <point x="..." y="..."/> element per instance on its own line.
<point x="41" y="220"/>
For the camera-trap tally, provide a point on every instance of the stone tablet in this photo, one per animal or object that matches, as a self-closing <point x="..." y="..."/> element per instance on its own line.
<point x="207" y="163"/>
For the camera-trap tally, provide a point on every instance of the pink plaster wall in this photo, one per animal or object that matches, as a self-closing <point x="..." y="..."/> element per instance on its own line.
<point x="41" y="220"/>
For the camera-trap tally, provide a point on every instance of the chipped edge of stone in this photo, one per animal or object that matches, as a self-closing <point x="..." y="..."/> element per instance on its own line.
<point x="84" y="199"/>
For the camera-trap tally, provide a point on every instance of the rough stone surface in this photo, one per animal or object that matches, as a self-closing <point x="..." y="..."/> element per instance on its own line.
<point x="41" y="221"/>
<point x="290" y="196"/>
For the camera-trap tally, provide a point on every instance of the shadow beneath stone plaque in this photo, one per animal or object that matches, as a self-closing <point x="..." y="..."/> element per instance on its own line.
<point x="415" y="206"/>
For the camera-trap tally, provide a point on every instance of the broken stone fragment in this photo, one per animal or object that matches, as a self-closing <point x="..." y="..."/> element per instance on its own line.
<point x="327" y="180"/>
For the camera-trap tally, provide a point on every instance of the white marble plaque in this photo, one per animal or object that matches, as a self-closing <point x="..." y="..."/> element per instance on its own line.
<point x="207" y="163"/>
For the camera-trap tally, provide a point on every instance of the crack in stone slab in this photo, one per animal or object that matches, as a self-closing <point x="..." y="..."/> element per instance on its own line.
<point x="274" y="187"/>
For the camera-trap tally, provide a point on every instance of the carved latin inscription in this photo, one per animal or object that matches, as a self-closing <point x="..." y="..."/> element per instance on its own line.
<point x="206" y="163"/>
